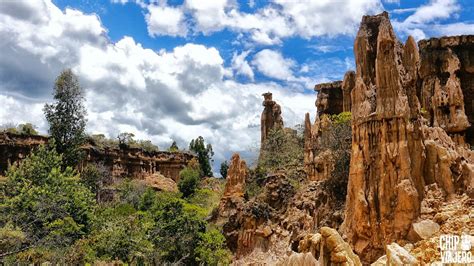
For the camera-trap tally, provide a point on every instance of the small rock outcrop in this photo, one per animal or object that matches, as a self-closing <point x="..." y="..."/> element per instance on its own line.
<point x="329" y="247"/>
<point x="330" y="98"/>
<point x="271" y="116"/>
<point x="236" y="176"/>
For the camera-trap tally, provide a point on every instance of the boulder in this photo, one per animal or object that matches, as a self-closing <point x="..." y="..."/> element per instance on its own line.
<point x="423" y="230"/>
<point x="397" y="255"/>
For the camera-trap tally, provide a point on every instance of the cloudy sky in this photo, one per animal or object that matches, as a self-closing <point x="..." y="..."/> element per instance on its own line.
<point x="174" y="70"/>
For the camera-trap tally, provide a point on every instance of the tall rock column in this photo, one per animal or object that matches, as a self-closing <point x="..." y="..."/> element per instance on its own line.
<point x="271" y="116"/>
<point x="385" y="181"/>
<point x="347" y="85"/>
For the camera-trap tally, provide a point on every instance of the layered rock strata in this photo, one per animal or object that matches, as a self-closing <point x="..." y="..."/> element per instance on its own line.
<point x="122" y="162"/>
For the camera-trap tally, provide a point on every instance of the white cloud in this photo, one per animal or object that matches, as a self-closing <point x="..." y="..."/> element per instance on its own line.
<point x="425" y="18"/>
<point x="165" y="20"/>
<point x="273" y="64"/>
<point x="241" y="66"/>
<point x="459" y="28"/>
<point x="436" y="9"/>
<point x="161" y="96"/>
<point x="275" y="21"/>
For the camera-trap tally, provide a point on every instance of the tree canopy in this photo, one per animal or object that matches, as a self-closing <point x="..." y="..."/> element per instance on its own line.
<point x="67" y="117"/>
<point x="204" y="153"/>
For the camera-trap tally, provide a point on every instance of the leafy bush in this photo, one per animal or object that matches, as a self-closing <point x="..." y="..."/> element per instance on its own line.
<point x="211" y="249"/>
<point x="188" y="180"/>
<point x="96" y="176"/>
<point x="337" y="138"/>
<point x="49" y="205"/>
<point x="283" y="149"/>
<point x="173" y="147"/>
<point x="22" y="129"/>
<point x="224" y="168"/>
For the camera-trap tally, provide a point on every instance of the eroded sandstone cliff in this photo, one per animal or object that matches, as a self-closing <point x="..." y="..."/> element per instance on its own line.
<point x="410" y="161"/>
<point x="121" y="162"/>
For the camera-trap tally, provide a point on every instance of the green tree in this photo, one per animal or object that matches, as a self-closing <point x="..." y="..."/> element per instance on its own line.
<point x="176" y="231"/>
<point x="204" y="153"/>
<point x="211" y="249"/>
<point x="67" y="117"/>
<point x="49" y="205"/>
<point x="126" y="139"/>
<point x="224" y="169"/>
<point x="96" y="176"/>
<point x="27" y="129"/>
<point x="189" y="179"/>
<point x="173" y="147"/>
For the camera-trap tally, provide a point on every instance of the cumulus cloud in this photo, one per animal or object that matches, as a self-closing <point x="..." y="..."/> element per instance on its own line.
<point x="272" y="64"/>
<point x="425" y="19"/>
<point x="241" y="66"/>
<point x="158" y="95"/>
<point x="165" y="20"/>
<point x="276" y="20"/>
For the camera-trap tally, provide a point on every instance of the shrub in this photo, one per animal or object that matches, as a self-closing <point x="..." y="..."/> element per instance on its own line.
<point x="188" y="181"/>
<point x="224" y="168"/>
<point x="96" y="176"/>
<point x="337" y="138"/>
<point x="211" y="249"/>
<point x="283" y="149"/>
<point x="48" y="204"/>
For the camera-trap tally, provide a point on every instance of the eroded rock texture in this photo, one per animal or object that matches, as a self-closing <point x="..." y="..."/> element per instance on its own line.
<point x="447" y="85"/>
<point x="347" y="85"/>
<point x="385" y="184"/>
<point x="329" y="99"/>
<point x="14" y="147"/>
<point x="236" y="176"/>
<point x="271" y="116"/>
<point x="400" y="145"/>
<point x="122" y="162"/>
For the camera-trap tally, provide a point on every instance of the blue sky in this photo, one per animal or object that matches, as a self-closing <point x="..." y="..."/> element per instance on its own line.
<point x="174" y="70"/>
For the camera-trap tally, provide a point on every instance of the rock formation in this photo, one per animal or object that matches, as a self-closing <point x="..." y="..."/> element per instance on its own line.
<point x="347" y="85"/>
<point x="122" y="162"/>
<point x="329" y="247"/>
<point x="236" y="175"/>
<point x="447" y="85"/>
<point x="385" y="182"/>
<point x="329" y="99"/>
<point x="411" y="174"/>
<point x="394" y="153"/>
<point x="271" y="116"/>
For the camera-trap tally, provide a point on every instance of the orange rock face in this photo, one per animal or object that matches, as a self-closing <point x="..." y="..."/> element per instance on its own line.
<point x="400" y="144"/>
<point x="385" y="183"/>
<point x="236" y="176"/>
<point x="122" y="162"/>
<point x="447" y="85"/>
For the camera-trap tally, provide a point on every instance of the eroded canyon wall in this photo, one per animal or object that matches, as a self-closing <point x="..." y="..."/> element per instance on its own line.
<point x="122" y="162"/>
